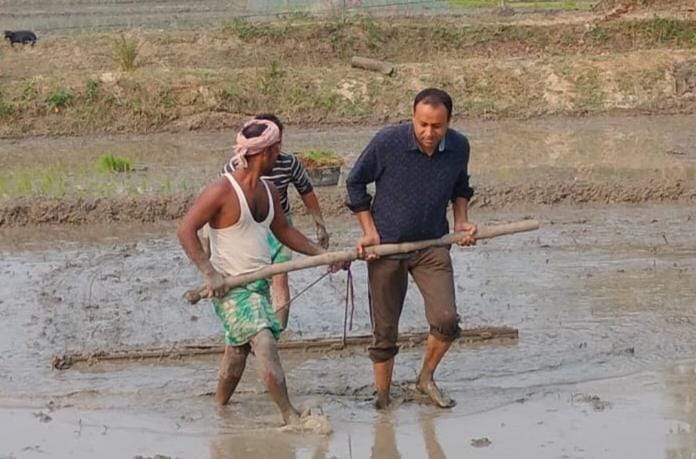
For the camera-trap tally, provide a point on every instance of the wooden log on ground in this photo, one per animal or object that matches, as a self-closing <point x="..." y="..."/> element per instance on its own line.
<point x="406" y="339"/>
<point x="194" y="295"/>
<point x="374" y="65"/>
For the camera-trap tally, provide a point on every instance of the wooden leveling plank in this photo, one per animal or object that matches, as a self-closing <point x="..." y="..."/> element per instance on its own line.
<point x="406" y="339"/>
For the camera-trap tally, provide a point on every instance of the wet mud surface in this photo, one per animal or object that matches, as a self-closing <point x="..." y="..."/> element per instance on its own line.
<point x="603" y="297"/>
<point x="548" y="161"/>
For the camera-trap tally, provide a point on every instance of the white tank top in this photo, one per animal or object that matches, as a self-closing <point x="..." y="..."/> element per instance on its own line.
<point x="242" y="247"/>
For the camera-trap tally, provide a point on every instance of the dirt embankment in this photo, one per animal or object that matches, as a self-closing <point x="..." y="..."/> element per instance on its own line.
<point x="166" y="207"/>
<point x="207" y="79"/>
<point x="30" y="211"/>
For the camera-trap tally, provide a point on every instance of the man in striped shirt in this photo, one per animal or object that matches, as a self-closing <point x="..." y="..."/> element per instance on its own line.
<point x="288" y="170"/>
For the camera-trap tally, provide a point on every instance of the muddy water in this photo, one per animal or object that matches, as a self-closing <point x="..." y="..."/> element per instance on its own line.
<point x="607" y="150"/>
<point x="549" y="161"/>
<point x="603" y="297"/>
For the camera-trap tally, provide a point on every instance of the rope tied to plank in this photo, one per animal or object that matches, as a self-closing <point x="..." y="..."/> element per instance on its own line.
<point x="349" y="300"/>
<point x="305" y="289"/>
<point x="350" y="297"/>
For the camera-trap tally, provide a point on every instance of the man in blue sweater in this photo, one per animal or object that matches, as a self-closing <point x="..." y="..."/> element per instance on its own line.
<point x="418" y="168"/>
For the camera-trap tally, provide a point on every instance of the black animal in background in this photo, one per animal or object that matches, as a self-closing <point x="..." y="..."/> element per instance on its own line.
<point x="20" y="36"/>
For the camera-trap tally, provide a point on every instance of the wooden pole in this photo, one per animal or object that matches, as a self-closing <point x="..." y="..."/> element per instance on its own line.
<point x="328" y="344"/>
<point x="193" y="296"/>
<point x="374" y="65"/>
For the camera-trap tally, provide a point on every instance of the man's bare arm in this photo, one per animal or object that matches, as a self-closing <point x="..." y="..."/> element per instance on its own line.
<point x="312" y="204"/>
<point x="288" y="234"/>
<point x="203" y="209"/>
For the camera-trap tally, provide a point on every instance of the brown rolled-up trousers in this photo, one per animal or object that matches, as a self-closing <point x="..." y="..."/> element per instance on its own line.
<point x="431" y="269"/>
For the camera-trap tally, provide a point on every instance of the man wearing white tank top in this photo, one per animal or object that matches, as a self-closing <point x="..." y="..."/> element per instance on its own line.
<point x="240" y="209"/>
<point x="287" y="170"/>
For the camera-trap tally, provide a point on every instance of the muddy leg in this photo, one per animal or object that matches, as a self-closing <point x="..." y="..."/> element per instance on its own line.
<point x="434" y="352"/>
<point x="231" y="370"/>
<point x="271" y="372"/>
<point x="383" y="378"/>
<point x="280" y="292"/>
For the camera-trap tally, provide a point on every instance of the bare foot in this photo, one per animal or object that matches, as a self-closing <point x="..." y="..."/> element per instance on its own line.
<point x="291" y="417"/>
<point x="429" y="388"/>
<point x="311" y="420"/>
<point x="382" y="400"/>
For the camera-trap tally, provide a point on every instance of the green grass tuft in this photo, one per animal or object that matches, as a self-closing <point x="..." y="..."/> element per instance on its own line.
<point x="59" y="99"/>
<point x="314" y="159"/>
<point x="110" y="163"/>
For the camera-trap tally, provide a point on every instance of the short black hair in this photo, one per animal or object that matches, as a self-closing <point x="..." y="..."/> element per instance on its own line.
<point x="434" y="97"/>
<point x="254" y="130"/>
<point x="272" y="118"/>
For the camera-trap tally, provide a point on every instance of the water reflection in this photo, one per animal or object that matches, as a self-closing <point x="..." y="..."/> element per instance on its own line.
<point x="384" y="446"/>
<point x="376" y="439"/>
<point x="432" y="445"/>
<point x="271" y="444"/>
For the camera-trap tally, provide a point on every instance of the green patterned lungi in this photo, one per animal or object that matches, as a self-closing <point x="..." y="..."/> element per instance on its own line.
<point x="245" y="311"/>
